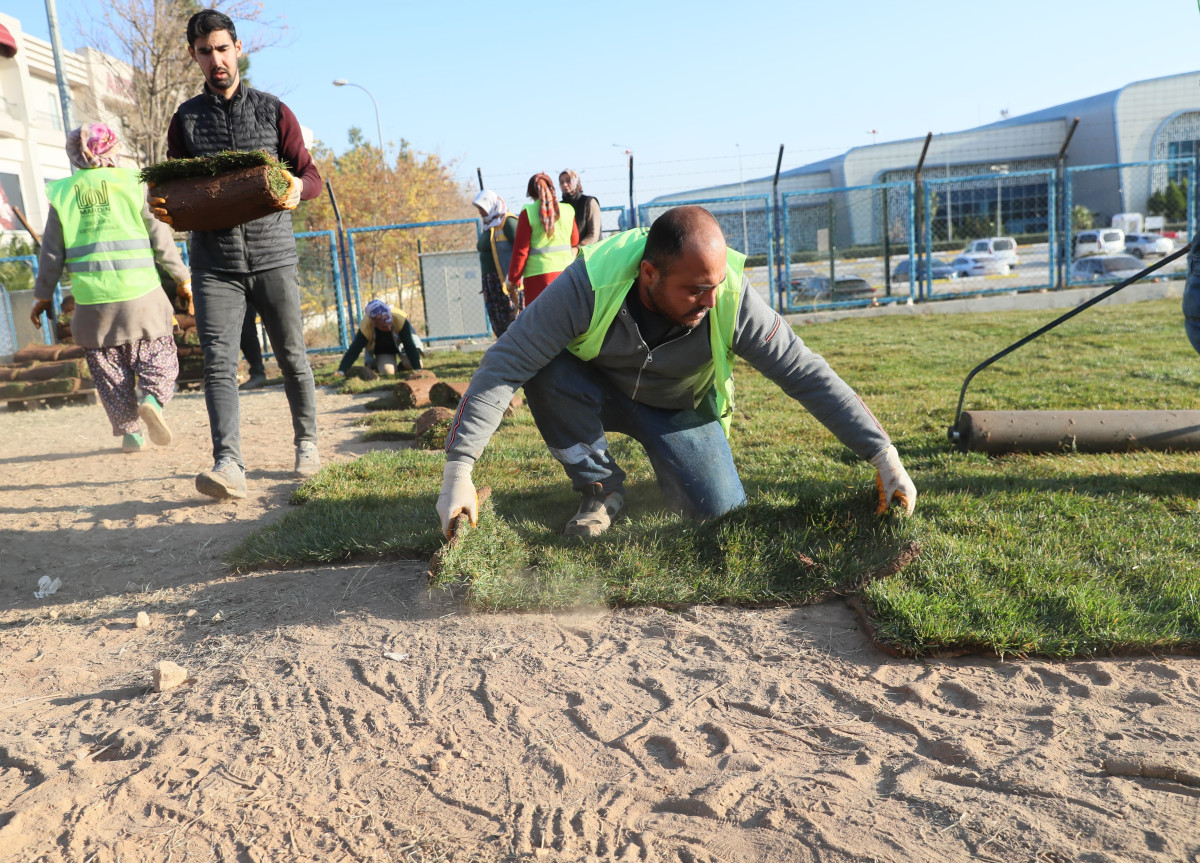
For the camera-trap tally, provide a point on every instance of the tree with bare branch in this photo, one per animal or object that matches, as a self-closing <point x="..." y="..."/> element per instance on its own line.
<point x="145" y="48"/>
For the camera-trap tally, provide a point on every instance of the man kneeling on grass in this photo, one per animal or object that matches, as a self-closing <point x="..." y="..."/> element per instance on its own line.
<point x="638" y="336"/>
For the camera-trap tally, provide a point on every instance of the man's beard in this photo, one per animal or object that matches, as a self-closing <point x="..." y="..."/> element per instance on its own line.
<point x="224" y="85"/>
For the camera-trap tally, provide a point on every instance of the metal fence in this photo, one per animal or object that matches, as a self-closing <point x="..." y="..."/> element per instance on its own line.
<point x="961" y="211"/>
<point x="807" y="250"/>
<point x="15" y="328"/>
<point x="323" y="303"/>
<point x="843" y="246"/>
<point x="613" y="220"/>
<point x="748" y="222"/>
<point x="435" y="263"/>
<point x="1119" y="182"/>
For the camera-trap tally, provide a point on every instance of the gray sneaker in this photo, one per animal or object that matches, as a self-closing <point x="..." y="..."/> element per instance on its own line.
<point x="226" y="480"/>
<point x="597" y="511"/>
<point x="308" y="460"/>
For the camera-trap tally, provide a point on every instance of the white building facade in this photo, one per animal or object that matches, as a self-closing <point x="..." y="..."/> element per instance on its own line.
<point x="31" y="126"/>
<point x="1147" y="120"/>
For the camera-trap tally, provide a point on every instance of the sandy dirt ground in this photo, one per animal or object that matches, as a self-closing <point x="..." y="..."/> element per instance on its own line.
<point x="348" y="713"/>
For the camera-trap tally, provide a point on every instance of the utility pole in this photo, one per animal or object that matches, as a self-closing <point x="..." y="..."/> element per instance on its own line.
<point x="60" y="72"/>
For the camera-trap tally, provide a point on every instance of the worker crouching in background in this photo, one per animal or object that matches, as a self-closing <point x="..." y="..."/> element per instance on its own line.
<point x="382" y="332"/>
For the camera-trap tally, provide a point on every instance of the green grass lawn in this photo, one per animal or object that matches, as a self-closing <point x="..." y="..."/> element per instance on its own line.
<point x="1059" y="555"/>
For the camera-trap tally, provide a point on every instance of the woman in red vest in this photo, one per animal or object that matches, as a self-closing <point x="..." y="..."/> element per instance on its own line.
<point x="546" y="239"/>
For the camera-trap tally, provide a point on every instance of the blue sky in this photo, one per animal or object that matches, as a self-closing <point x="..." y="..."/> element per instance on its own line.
<point x="702" y="92"/>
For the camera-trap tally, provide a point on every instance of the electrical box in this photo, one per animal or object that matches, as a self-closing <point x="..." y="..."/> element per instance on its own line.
<point x="452" y="286"/>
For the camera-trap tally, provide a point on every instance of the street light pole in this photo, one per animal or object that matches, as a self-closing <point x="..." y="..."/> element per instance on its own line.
<point x="342" y="82"/>
<point x="742" y="182"/>
<point x="1001" y="170"/>
<point x="60" y="72"/>
<point x="633" y="213"/>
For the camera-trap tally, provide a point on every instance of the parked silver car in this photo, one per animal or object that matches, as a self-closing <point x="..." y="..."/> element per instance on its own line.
<point x="1003" y="249"/>
<point x="1113" y="268"/>
<point x="979" y="265"/>
<point x="1099" y="241"/>
<point x="815" y="289"/>
<point x="1141" y="245"/>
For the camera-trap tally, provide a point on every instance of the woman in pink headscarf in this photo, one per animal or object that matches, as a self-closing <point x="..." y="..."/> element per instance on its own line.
<point x="100" y="230"/>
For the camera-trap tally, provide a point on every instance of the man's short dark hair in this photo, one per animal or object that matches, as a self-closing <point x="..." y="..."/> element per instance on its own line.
<point x="209" y="21"/>
<point x="669" y="234"/>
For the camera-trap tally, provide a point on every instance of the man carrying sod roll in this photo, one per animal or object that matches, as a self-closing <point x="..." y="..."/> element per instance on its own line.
<point x="251" y="263"/>
<point x="638" y="336"/>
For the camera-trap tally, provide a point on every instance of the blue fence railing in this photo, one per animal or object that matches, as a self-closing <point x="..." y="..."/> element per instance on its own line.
<point x="1117" y="180"/>
<point x="826" y="248"/>
<point x="875" y="222"/>
<point x="1005" y="274"/>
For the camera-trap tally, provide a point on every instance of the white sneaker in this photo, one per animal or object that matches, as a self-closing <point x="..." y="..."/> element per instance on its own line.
<point x="597" y="511"/>
<point x="308" y="460"/>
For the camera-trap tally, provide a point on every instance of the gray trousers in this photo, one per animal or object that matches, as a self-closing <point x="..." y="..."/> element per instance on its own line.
<point x="220" y="310"/>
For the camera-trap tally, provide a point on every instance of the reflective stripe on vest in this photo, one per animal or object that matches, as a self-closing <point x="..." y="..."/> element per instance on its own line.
<point x="553" y="253"/>
<point x="109" y="246"/>
<point x="108" y="251"/>
<point x="612" y="267"/>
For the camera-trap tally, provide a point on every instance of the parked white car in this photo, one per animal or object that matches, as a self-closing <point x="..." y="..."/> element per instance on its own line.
<point x="1099" y="241"/>
<point x="1111" y="268"/>
<point x="1141" y="245"/>
<point x="979" y="265"/>
<point x="1003" y="249"/>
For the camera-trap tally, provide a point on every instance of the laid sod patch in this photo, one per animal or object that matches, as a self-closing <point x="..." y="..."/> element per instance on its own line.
<point x="387" y="424"/>
<point x="1058" y="555"/>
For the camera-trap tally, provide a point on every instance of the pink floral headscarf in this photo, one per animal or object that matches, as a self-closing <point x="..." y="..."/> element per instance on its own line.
<point x="93" y="146"/>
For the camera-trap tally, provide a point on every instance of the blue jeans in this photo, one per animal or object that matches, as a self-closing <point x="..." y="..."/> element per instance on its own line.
<point x="574" y="404"/>
<point x="221" y="300"/>
<point x="1191" y="298"/>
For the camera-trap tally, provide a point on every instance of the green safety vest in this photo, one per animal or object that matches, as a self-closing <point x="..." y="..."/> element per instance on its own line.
<point x="108" y="251"/>
<point x="612" y="267"/>
<point x="553" y="253"/>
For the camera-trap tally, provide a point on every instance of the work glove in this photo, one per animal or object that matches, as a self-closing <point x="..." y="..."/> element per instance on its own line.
<point x="183" y="294"/>
<point x="458" y="495"/>
<point x="893" y="482"/>
<point x="158" y="206"/>
<point x="35" y="313"/>
<point x="295" y="187"/>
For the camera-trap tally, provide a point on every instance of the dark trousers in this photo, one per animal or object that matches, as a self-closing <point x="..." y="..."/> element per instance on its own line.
<point x="251" y="347"/>
<point x="574" y="404"/>
<point x="221" y="301"/>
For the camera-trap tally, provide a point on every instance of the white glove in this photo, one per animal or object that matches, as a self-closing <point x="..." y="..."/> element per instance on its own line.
<point x="295" y="187"/>
<point x="893" y="481"/>
<point x="458" y="495"/>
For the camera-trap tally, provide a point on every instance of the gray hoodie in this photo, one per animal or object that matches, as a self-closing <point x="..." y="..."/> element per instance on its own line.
<point x="671" y="375"/>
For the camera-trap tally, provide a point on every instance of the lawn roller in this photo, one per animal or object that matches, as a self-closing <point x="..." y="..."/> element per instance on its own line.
<point x="996" y="432"/>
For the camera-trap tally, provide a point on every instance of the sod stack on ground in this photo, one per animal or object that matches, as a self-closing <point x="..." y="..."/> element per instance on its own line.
<point x="448" y="394"/>
<point x="413" y="392"/>
<point x="45" y="372"/>
<point x="431" y="428"/>
<point x="226" y="189"/>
